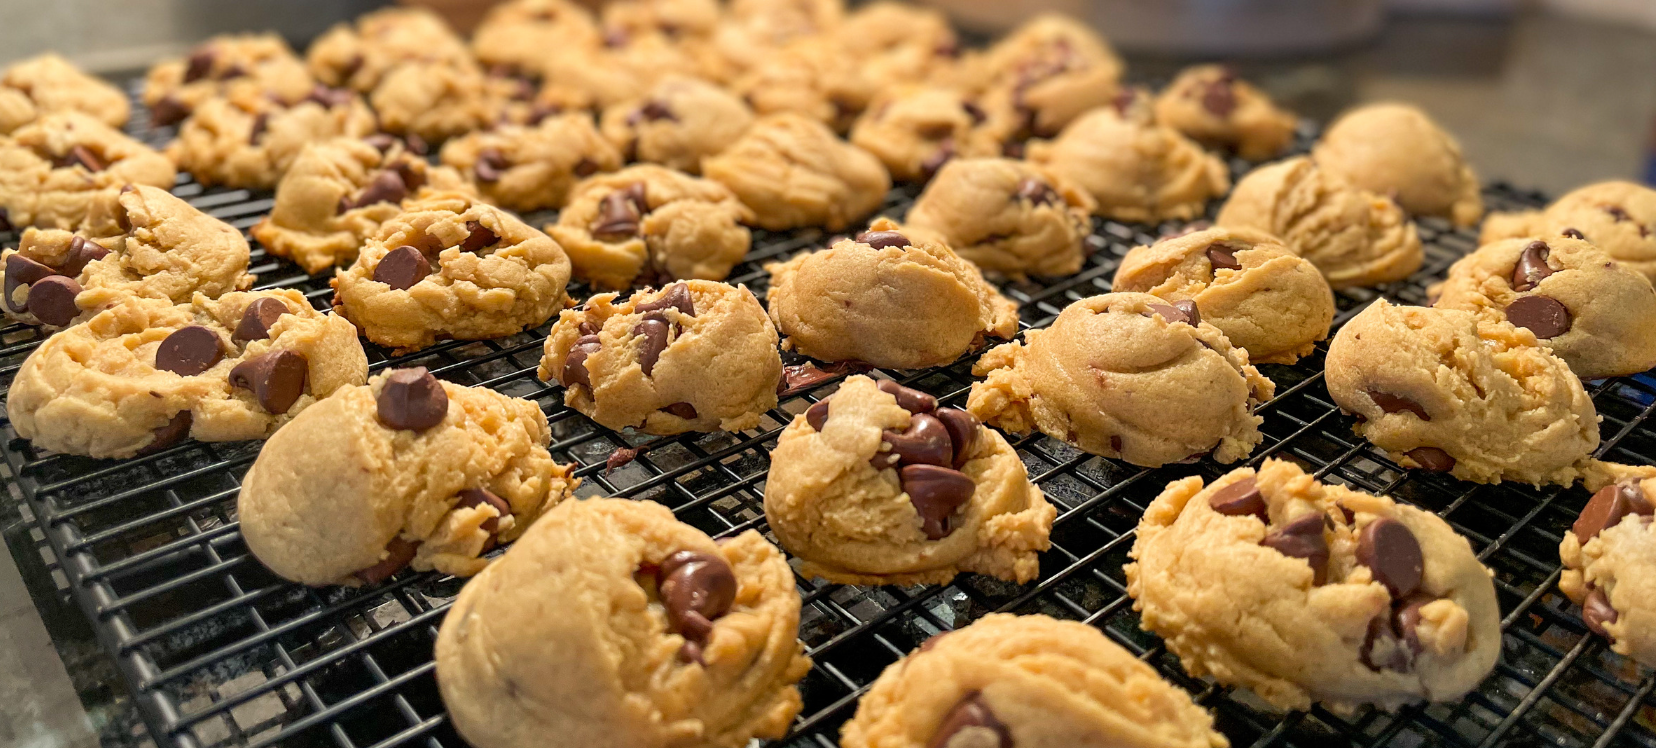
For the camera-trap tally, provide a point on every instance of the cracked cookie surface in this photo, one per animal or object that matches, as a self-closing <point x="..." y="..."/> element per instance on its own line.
<point x="1006" y="216"/>
<point x="53" y="169"/>
<point x="47" y="84"/>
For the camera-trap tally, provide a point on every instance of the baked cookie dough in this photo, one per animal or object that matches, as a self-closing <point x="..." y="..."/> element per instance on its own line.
<point x="48" y="84"/>
<point x="436" y="101"/>
<point x="652" y="223"/>
<point x="793" y="172"/>
<point x="1028" y="681"/>
<point x="53" y="169"/>
<point x="527" y="168"/>
<point x="359" y="54"/>
<point x="338" y="192"/>
<point x="886" y="301"/>
<point x="1126" y="375"/>
<point x="1262" y="296"/>
<point x="1439" y="390"/>
<point x="878" y="485"/>
<point x="898" y="43"/>
<point x="1211" y="106"/>
<point x="1307" y="592"/>
<point x="679" y="20"/>
<point x="1609" y="558"/>
<point x="258" y="66"/>
<point x="915" y="130"/>
<point x="450" y="265"/>
<point x="1355" y="237"/>
<point x="1006" y="216"/>
<point x="518" y="35"/>
<point x="404" y="471"/>
<point x="1135" y="171"/>
<point x="144" y="373"/>
<point x="695" y="356"/>
<point x="1617" y="217"/>
<point x="249" y="142"/>
<point x="1597" y="315"/>
<point x="1398" y="151"/>
<point x="666" y="637"/>
<point x="1048" y="72"/>
<point x="814" y="77"/>
<point x="680" y="122"/>
<point x="600" y="77"/>
<point x="140" y="241"/>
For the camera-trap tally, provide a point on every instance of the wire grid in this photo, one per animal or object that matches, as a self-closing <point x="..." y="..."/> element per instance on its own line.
<point x="219" y="652"/>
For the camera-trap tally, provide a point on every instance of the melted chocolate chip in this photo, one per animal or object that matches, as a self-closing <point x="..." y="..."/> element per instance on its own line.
<point x="1390" y="551"/>
<point x="1432" y="459"/>
<point x="1573" y="234"/>
<point x="963" y="433"/>
<point x="1222" y="256"/>
<point x="1532" y="266"/>
<point x="189" y="351"/>
<point x="911" y="400"/>
<point x="1181" y="311"/>
<point x="1390" y="403"/>
<point x="574" y="370"/>
<point x="653" y="340"/>
<point x="1406" y="620"/>
<point x="82" y="252"/>
<point x="20" y="272"/>
<point x="682" y="410"/>
<point x="817" y="414"/>
<point x="199" y="64"/>
<point x="490" y="164"/>
<point x="696" y="589"/>
<point x="883" y="239"/>
<point x="329" y="98"/>
<point x="475" y="497"/>
<point x="653" y="110"/>
<point x="935" y="493"/>
<point x="1219" y="98"/>
<point x="926" y="441"/>
<point x="1596" y="611"/>
<point x="276" y="379"/>
<point x="478" y="237"/>
<point x="1608" y="507"/>
<point x="973" y="716"/>
<point x="261" y="122"/>
<point x="1545" y="316"/>
<point x="1037" y="192"/>
<point x="257" y="318"/>
<point x="1240" y="499"/>
<point x="930" y="164"/>
<point x="402" y="267"/>
<point x="619" y="216"/>
<point x="82" y="156"/>
<point x="398" y="554"/>
<point x="168" y="434"/>
<point x="411" y="399"/>
<point x="1303" y="538"/>
<point x="677" y="296"/>
<point x="168" y="111"/>
<point x="52" y="300"/>
<point x="386" y="187"/>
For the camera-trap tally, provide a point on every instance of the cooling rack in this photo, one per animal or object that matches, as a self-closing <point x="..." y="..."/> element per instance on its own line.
<point x="216" y="651"/>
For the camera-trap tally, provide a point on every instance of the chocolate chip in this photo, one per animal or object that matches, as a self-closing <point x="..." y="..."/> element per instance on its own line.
<point x="1596" y="611"/>
<point x="653" y="110"/>
<point x="260" y="123"/>
<point x="1240" y="499"/>
<point x="1532" y="266"/>
<point x="475" y="497"/>
<point x="52" y="300"/>
<point x="1432" y="459"/>
<point x="1303" y="538"/>
<point x="1390" y="403"/>
<point x="817" y="414"/>
<point x="381" y="141"/>
<point x="22" y="271"/>
<point x="5" y="220"/>
<point x="585" y="167"/>
<point x="329" y="98"/>
<point x="1219" y="98"/>
<point x="349" y="70"/>
<point x="1037" y="192"/>
<point x="490" y="164"/>
<point x="930" y="164"/>
<point x="677" y="296"/>
<point x="169" y="434"/>
<point x="82" y="252"/>
<point x="653" y="340"/>
<point x="80" y="155"/>
<point x="618" y="217"/>
<point x="257" y="318"/>
<point x="974" y="111"/>
<point x="398" y="554"/>
<point x="1608" y="507"/>
<point x="478" y="237"/>
<point x="587" y="328"/>
<point x="276" y="379"/>
<point x="1573" y="234"/>
<point x="696" y="589"/>
<point x="168" y="111"/>
<point x="539" y="112"/>
<point x="963" y="433"/>
<point x="429" y="246"/>
<point x="1391" y="552"/>
<point x="386" y="187"/>
<point x="1545" y="316"/>
<point x="883" y="239"/>
<point x="199" y="64"/>
<point x="1382" y="650"/>
<point x="575" y="371"/>
<point x="1618" y="213"/>
<point x="971" y="715"/>
<point x="926" y="441"/>
<point x="909" y="399"/>
<point x="935" y="493"/>
<point x="682" y="410"/>
<point x="1222" y="256"/>
<point x="1181" y="311"/>
<point x="411" y="399"/>
<point x="402" y="267"/>
<point x="233" y="71"/>
<point x="1406" y="619"/>
<point x="189" y="351"/>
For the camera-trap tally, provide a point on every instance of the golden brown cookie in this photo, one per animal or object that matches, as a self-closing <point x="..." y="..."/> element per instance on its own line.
<point x="1609" y="557"/>
<point x="47" y="84"/>
<point x="250" y="142"/>
<point x="1210" y="105"/>
<point x="681" y="121"/>
<point x="793" y="172"/>
<point x="525" y="168"/>
<point x="243" y="66"/>
<point x="1006" y="216"/>
<point x="359" y="54"/>
<point x="1135" y="171"/>
<point x="1617" y="217"/>
<point x="915" y="130"/>
<point x="53" y="169"/>
<point x="1398" y="151"/>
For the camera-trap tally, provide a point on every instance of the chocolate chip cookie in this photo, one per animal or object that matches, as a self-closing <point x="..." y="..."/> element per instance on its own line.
<point x="1263" y="297"/>
<point x="793" y="172"/>
<point x="53" y="169"/>
<point x="48" y="84"/>
<point x="695" y="356"/>
<point x="681" y="121"/>
<point x="1135" y="171"/>
<point x="1006" y="216"/>
<point x="1617" y="217"/>
<point x="249" y="142"/>
<point x="403" y="471"/>
<point x="1047" y="73"/>
<point x="359" y="54"/>
<point x="529" y="167"/>
<point x="244" y="66"/>
<point x="1441" y="391"/>
<point x="1397" y="150"/>
<point x="915" y="130"/>
<point x="1609" y="558"/>
<point x="1306" y="592"/>
<point x="600" y="77"/>
<point x="886" y="301"/>
<point x="813" y="77"/>
<point x="436" y="101"/>
<point x="880" y="485"/>
<point x="1129" y="376"/>
<point x="1355" y="237"/>
<point x="896" y="43"/>
<point x="518" y="35"/>
<point x="694" y="640"/>
<point x="144" y="373"/>
<point x="451" y="266"/>
<point x="1212" y="106"/>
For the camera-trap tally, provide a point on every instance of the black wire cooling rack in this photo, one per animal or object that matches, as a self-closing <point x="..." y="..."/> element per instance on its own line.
<point x="219" y="652"/>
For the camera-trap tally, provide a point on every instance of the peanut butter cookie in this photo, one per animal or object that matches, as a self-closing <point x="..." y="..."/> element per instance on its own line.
<point x="1397" y="150"/>
<point x="793" y="172"/>
<point x="53" y="169"/>
<point x="526" y="168"/>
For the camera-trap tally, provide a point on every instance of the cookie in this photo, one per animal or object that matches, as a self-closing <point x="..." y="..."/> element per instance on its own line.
<point x="437" y="101"/>
<point x="753" y="30"/>
<point x="527" y="168"/>
<point x="652" y="223"/>
<point x="249" y="142"/>
<point x="337" y="193"/>
<point x="885" y="301"/>
<point x="1306" y="592"/>
<point x="53" y="169"/>
<point x="451" y="266"/>
<point x="813" y="77"/>
<point x="1355" y="237"/>
<point x="600" y="77"/>
<point x="244" y="66"/>
<point x="140" y="241"/>
<point x="1617" y="217"/>
<point x="914" y="131"/>
<point x="1440" y="391"/>
<point x="668" y="638"/>
<point x="1048" y="72"/>
<point x="403" y="471"/>
<point x="895" y="43"/>
<point x="359" y="54"/>
<point x="143" y="374"/>
<point x="1264" y="298"/>
<point x="681" y="121"/>
<point x="1029" y="681"/>
<point x="793" y="172"/>
<point x="517" y="35"/>
<point x="679" y="20"/>
<point x="1211" y="106"/>
<point x="1126" y="375"/>
<point x="694" y="356"/>
<point x="48" y="84"/>
<point x="878" y="485"/>
<point x="1609" y="558"/>
<point x="1006" y="216"/>
<point x="1397" y="150"/>
<point x="1135" y="171"/>
<point x="1597" y="315"/>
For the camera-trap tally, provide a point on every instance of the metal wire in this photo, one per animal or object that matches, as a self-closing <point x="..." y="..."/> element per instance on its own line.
<point x="218" y="652"/>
